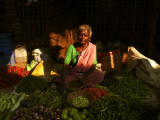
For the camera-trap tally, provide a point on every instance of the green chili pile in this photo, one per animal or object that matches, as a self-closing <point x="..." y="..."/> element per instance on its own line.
<point x="129" y="86"/>
<point x="125" y="101"/>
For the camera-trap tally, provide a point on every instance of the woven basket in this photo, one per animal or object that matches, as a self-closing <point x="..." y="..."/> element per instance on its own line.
<point x="75" y="94"/>
<point x="110" y="60"/>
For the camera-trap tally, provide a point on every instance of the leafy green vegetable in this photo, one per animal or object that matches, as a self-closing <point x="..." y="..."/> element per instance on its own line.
<point x="30" y="84"/>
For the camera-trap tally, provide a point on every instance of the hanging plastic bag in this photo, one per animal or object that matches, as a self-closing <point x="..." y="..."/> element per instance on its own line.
<point x="20" y="54"/>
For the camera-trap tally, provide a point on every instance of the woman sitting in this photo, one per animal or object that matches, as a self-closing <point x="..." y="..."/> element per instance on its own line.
<point x="81" y="59"/>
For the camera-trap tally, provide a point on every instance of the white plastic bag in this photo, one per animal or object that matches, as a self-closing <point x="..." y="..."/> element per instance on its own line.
<point x="149" y="71"/>
<point x="20" y="53"/>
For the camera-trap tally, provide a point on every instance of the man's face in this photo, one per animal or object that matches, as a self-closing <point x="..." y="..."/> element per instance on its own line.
<point x="84" y="36"/>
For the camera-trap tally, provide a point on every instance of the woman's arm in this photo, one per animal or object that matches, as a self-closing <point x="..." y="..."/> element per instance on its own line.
<point x="65" y="67"/>
<point x="63" y="75"/>
<point x="64" y="71"/>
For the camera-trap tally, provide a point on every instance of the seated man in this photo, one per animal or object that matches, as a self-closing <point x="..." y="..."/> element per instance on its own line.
<point x="81" y="59"/>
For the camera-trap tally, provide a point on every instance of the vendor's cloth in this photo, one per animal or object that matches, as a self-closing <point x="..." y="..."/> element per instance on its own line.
<point x="44" y="68"/>
<point x="84" y="62"/>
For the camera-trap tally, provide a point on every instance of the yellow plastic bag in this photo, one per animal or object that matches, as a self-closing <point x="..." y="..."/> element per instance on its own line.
<point x="44" y="68"/>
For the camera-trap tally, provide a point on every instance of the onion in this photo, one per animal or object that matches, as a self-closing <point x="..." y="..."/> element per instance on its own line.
<point x="41" y="107"/>
<point x="14" y="117"/>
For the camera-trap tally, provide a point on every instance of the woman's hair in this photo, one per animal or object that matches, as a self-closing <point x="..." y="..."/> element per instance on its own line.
<point x="86" y="27"/>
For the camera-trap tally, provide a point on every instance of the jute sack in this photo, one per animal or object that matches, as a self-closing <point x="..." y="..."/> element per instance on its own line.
<point x="20" y="53"/>
<point x="44" y="68"/>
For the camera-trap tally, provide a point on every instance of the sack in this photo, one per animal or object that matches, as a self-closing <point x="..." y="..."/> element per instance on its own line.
<point x="152" y="99"/>
<point x="132" y="58"/>
<point x="44" y="68"/>
<point x="149" y="71"/>
<point x="20" y="54"/>
<point x="145" y="68"/>
<point x="110" y="60"/>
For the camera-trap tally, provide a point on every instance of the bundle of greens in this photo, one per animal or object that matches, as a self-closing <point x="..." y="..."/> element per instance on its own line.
<point x="30" y="84"/>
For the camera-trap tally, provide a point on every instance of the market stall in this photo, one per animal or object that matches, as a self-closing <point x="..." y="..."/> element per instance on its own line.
<point x="121" y="95"/>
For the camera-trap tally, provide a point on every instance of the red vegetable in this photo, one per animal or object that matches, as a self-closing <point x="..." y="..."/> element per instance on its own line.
<point x="97" y="92"/>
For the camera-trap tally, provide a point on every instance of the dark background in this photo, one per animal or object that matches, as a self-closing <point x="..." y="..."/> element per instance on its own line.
<point x="126" y="22"/>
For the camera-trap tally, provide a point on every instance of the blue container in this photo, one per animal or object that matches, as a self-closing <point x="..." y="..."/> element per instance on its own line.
<point x="6" y="50"/>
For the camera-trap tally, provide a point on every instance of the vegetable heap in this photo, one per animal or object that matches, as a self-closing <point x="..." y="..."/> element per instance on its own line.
<point x="49" y="98"/>
<point x="31" y="83"/>
<point x="52" y="98"/>
<point x="9" y="101"/>
<point x="129" y="86"/>
<point x="97" y="92"/>
<point x="36" y="113"/>
<point x="71" y="113"/>
<point x="125" y="101"/>
<point x="113" y="107"/>
<point x="80" y="101"/>
<point x="11" y="75"/>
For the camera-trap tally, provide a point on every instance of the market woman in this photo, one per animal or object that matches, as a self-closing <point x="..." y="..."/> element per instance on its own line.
<point x="81" y="59"/>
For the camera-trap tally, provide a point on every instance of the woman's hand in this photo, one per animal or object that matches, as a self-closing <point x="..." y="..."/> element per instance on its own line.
<point x="81" y="78"/>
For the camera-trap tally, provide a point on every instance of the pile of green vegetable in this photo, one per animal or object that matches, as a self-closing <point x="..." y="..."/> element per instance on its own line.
<point x="80" y="101"/>
<point x="31" y="83"/>
<point x="125" y="101"/>
<point x="129" y="86"/>
<point x="49" y="98"/>
<point x="117" y="108"/>
<point x="52" y="98"/>
<point x="71" y="113"/>
<point x="9" y="103"/>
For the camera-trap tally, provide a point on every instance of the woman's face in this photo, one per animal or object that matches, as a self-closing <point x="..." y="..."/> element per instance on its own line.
<point x="84" y="36"/>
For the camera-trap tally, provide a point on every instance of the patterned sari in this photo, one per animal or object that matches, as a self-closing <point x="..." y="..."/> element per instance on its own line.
<point x="85" y="62"/>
